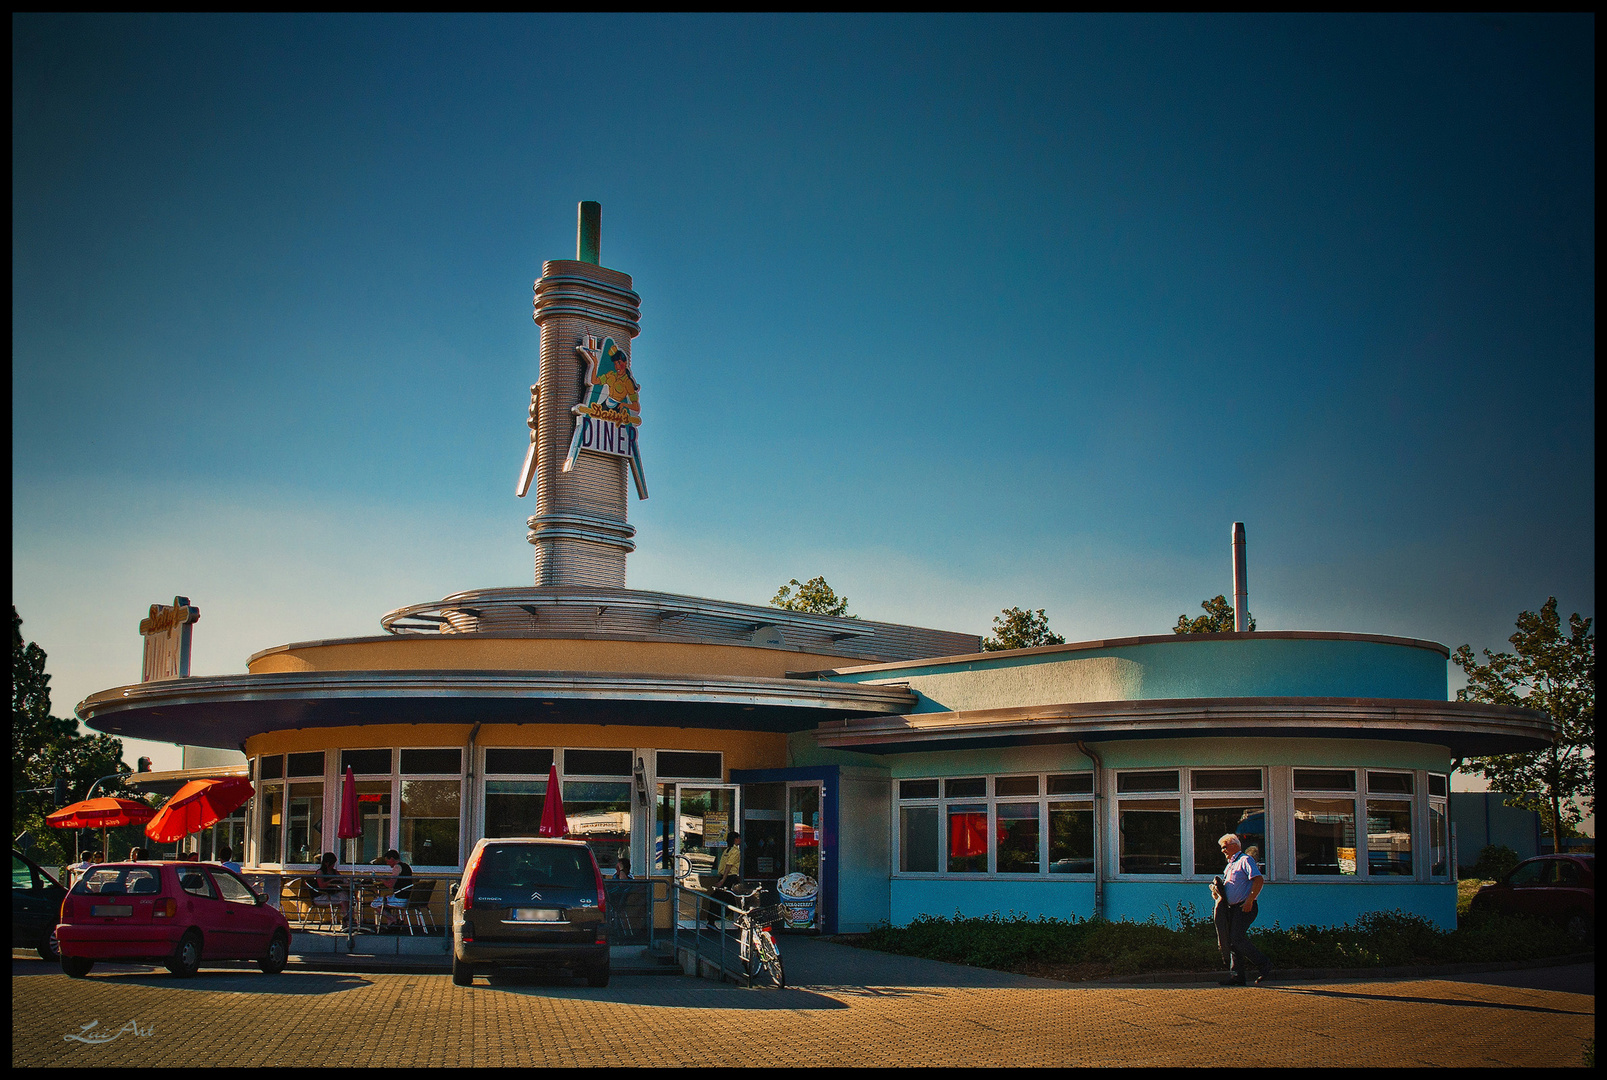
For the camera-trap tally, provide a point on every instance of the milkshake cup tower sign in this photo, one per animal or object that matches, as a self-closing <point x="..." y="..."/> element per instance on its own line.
<point x="585" y="415"/>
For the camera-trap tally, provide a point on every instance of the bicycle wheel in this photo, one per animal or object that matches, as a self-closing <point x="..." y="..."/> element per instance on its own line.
<point x="771" y="957"/>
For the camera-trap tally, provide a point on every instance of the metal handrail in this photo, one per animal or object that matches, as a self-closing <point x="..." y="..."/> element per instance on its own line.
<point x="723" y="912"/>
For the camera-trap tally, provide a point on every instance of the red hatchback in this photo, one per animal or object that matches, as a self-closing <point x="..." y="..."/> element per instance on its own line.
<point x="173" y="913"/>
<point x="1558" y="887"/>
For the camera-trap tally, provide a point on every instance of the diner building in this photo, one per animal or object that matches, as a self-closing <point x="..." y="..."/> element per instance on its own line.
<point x="903" y="768"/>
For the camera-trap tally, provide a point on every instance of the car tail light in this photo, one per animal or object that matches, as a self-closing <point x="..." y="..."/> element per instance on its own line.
<point x="467" y="892"/>
<point x="165" y="908"/>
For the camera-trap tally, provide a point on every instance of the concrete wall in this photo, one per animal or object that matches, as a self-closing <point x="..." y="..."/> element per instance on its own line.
<point x="1247" y="665"/>
<point x="1286" y="904"/>
<point x="864" y="827"/>
<point x="1481" y="820"/>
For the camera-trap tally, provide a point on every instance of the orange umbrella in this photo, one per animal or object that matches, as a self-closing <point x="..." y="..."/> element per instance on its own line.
<point x="198" y="805"/>
<point x="103" y="813"/>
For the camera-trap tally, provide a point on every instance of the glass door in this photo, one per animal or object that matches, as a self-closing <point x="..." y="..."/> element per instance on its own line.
<point x="800" y="889"/>
<point x="707" y="815"/>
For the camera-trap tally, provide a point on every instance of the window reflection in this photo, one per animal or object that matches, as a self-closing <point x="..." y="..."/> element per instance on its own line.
<point x="1325" y="837"/>
<point x="1389" y="837"/>
<point x="1151" y="837"/>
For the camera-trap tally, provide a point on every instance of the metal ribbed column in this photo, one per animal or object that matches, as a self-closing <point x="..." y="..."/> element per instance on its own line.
<point x="579" y="528"/>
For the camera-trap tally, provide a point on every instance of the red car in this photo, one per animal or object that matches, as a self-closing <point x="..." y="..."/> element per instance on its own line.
<point x="172" y="913"/>
<point x="1560" y="887"/>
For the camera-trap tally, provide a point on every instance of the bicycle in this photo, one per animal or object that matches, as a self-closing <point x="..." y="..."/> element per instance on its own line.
<point x="756" y="947"/>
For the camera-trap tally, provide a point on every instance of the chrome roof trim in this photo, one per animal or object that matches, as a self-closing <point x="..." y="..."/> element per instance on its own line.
<point x="1434" y="721"/>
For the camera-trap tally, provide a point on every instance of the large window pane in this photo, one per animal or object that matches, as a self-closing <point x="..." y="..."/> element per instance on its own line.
<point x="600" y="814"/>
<point x="430" y="811"/>
<point x="374" y="815"/>
<point x="1215" y="818"/>
<point x="1071" y="838"/>
<point x="968" y="838"/>
<point x="1151" y="837"/>
<point x="1389" y="837"/>
<point x="1325" y="836"/>
<point x="273" y="823"/>
<point x="1018" y="837"/>
<point x="917" y="839"/>
<point x="306" y="823"/>
<point x="513" y="807"/>
<point x="1439" y="841"/>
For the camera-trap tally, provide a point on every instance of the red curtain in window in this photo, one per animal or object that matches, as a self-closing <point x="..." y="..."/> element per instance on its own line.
<point x="968" y="835"/>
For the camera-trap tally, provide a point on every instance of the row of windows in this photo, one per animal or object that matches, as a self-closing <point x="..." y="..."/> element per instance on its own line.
<point x="692" y="765"/>
<point x="412" y="799"/>
<point x="1167" y="823"/>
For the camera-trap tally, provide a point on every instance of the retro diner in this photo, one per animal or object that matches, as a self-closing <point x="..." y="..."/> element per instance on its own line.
<point x="905" y="769"/>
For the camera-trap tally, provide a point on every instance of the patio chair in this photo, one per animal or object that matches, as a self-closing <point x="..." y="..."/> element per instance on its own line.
<point x="418" y="904"/>
<point x="322" y="905"/>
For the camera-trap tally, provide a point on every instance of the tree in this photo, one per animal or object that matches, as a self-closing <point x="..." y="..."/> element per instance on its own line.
<point x="813" y="596"/>
<point x="44" y="747"/>
<point x="1218" y="618"/>
<point x="1557" y="675"/>
<point x="1017" y="628"/>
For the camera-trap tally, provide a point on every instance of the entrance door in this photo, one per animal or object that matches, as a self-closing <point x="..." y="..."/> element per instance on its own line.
<point x="803" y="854"/>
<point x="706" y="814"/>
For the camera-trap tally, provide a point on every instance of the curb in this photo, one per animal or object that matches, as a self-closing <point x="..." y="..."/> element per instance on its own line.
<point x="1286" y="975"/>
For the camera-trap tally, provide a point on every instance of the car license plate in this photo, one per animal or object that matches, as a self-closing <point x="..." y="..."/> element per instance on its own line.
<point x="111" y="911"/>
<point x="538" y="914"/>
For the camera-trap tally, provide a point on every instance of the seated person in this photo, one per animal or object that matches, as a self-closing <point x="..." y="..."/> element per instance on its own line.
<point x="328" y="882"/>
<point x="399" y="884"/>
<point x="226" y="857"/>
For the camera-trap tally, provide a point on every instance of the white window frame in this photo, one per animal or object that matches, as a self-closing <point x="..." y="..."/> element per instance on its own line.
<point x="486" y="779"/>
<point x="1418" y="798"/>
<point x="256" y="813"/>
<point x="990" y="797"/>
<point x="1185" y="796"/>
<point x="463" y="802"/>
<point x="1442" y="803"/>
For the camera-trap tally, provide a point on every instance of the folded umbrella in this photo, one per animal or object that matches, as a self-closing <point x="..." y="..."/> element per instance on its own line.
<point x="553" y="820"/>
<point x="198" y="805"/>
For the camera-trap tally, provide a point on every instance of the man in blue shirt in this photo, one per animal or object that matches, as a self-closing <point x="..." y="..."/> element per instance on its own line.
<point x="1236" y="891"/>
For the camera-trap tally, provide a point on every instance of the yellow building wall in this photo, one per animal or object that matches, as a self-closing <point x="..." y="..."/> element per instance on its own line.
<point x="742" y="749"/>
<point x="451" y="652"/>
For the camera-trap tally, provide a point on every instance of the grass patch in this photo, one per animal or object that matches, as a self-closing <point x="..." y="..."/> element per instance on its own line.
<point x="1465" y="888"/>
<point x="1082" y="949"/>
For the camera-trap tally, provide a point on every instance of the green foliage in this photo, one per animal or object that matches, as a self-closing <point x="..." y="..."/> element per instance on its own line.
<point x="1017" y="628"/>
<point x="1218" y="618"/>
<point x="1378" y="939"/>
<point x="1495" y="862"/>
<point x="1556" y="674"/>
<point x="813" y="596"/>
<point x="44" y="747"/>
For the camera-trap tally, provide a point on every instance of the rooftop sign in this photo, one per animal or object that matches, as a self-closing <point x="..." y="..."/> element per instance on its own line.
<point x="167" y="639"/>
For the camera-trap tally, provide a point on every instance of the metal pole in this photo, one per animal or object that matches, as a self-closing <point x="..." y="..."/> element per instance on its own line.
<point x="589" y="234"/>
<point x="1241" y="582"/>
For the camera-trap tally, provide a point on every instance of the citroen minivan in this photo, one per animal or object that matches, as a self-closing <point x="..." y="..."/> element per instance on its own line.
<point x="527" y="901"/>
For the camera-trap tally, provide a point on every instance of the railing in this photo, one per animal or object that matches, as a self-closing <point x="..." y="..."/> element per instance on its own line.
<point x="283" y="889"/>
<point x="693" y="905"/>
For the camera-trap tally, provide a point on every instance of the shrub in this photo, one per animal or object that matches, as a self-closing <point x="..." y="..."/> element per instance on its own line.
<point x="1495" y="862"/>
<point x="1377" y="939"/>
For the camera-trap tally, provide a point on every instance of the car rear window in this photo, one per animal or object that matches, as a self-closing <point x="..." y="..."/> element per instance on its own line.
<point x="504" y="866"/>
<point x="119" y="881"/>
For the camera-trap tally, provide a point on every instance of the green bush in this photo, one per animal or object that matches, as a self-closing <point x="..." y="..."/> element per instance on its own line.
<point x="1495" y="862"/>
<point x="1186" y="942"/>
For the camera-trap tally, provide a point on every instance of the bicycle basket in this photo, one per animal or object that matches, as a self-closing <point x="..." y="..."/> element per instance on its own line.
<point x="766" y="915"/>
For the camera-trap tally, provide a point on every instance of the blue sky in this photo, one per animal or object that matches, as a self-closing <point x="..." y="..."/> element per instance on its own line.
<point x="962" y="313"/>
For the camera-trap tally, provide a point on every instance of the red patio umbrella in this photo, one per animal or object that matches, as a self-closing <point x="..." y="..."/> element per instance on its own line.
<point x="105" y="813"/>
<point x="351" y="824"/>
<point x="198" y="805"/>
<point x="553" y="820"/>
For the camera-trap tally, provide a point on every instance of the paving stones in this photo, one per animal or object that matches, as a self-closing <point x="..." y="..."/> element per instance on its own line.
<point x="848" y="1012"/>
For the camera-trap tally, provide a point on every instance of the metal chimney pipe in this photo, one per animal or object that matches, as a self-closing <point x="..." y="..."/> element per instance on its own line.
<point x="1241" y="582"/>
<point x="589" y="234"/>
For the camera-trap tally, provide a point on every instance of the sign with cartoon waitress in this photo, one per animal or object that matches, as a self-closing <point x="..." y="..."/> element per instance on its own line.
<point x="610" y="411"/>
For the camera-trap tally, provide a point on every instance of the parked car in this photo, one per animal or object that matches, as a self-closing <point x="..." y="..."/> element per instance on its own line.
<point x="1560" y="887"/>
<point x="173" y="913"/>
<point x="529" y="902"/>
<point x="35" y="907"/>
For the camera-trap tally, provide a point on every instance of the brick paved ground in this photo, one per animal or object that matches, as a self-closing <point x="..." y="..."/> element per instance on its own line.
<point x="930" y="1014"/>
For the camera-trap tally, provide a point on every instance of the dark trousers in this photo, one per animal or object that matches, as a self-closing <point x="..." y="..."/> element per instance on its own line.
<point x="1232" y="937"/>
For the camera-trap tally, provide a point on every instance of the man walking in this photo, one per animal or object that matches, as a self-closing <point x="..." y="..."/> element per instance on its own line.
<point x="1236" y="891"/>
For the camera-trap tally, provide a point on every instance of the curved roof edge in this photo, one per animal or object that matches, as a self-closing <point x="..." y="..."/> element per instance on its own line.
<point x="1464" y="727"/>
<point x="1148" y="639"/>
